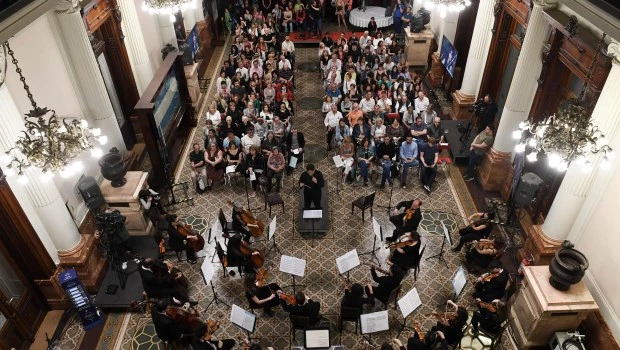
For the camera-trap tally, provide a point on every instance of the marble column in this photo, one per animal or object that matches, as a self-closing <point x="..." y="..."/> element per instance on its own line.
<point x="570" y="200"/>
<point x="43" y="204"/>
<point x="134" y="40"/>
<point x="96" y="103"/>
<point x="166" y="30"/>
<point x="476" y="60"/>
<point x="495" y="168"/>
<point x="189" y="18"/>
<point x="199" y="13"/>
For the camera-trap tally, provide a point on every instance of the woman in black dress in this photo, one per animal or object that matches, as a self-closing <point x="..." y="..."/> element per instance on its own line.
<point x="254" y="164"/>
<point x="264" y="297"/>
<point x="480" y="226"/>
<point x="385" y="284"/>
<point x="179" y="242"/>
<point x="481" y="253"/>
<point x="354" y="297"/>
<point x="407" y="256"/>
<point x="452" y="326"/>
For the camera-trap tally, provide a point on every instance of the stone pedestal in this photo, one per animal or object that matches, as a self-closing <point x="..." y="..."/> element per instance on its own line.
<point x="418" y="46"/>
<point x="494" y="169"/>
<point x="540" y="310"/>
<point x="436" y="71"/>
<point x="460" y="105"/>
<point x="191" y="75"/>
<point x="87" y="260"/>
<point x="125" y="199"/>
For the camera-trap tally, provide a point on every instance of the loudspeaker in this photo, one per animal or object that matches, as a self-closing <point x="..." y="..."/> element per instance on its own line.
<point x="90" y="192"/>
<point x="527" y="189"/>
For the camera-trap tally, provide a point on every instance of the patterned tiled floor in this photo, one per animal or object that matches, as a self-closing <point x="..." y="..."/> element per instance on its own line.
<point x="348" y="231"/>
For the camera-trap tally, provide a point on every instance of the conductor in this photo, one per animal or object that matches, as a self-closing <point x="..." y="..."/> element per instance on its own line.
<point x="312" y="182"/>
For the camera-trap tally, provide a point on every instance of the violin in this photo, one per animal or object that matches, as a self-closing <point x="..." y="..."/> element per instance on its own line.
<point x="409" y="214"/>
<point x="418" y="330"/>
<point x="212" y="327"/>
<point x="189" y="317"/>
<point x="197" y="243"/>
<point x="401" y="244"/>
<point x="255" y="226"/>
<point x="448" y="316"/>
<point x="257" y="260"/>
<point x="261" y="277"/>
<point x="483" y="245"/>
<point x="487" y="306"/>
<point x="290" y="299"/>
<point x="488" y="277"/>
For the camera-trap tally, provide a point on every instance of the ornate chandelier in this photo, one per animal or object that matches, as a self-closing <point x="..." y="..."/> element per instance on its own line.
<point x="167" y="7"/>
<point x="49" y="143"/>
<point x="565" y="137"/>
<point x="445" y="6"/>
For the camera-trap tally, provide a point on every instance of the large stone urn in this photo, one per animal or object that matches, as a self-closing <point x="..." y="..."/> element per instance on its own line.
<point x="113" y="167"/>
<point x="567" y="267"/>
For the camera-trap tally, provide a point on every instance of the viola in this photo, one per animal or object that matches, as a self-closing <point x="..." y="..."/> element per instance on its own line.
<point x="189" y="317"/>
<point x="418" y="330"/>
<point x="212" y="327"/>
<point x="261" y="277"/>
<point x="257" y="260"/>
<point x="401" y="244"/>
<point x="255" y="226"/>
<point x="490" y="276"/>
<point x="290" y="299"/>
<point x="197" y="243"/>
<point x="487" y="306"/>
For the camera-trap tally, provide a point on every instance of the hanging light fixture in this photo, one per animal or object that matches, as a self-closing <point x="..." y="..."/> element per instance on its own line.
<point x="568" y="135"/>
<point x="168" y="7"/>
<point x="445" y="6"/>
<point x="49" y="143"/>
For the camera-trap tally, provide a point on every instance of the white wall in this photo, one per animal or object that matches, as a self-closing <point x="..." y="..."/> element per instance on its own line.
<point x="445" y="26"/>
<point x="150" y="31"/>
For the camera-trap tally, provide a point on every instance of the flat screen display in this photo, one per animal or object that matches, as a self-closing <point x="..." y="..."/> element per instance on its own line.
<point x="447" y="55"/>
<point x="167" y="102"/>
<point x="193" y="42"/>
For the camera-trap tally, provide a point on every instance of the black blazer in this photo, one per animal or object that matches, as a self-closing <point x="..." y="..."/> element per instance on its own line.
<point x="165" y="327"/>
<point x="309" y="309"/>
<point x="300" y="140"/>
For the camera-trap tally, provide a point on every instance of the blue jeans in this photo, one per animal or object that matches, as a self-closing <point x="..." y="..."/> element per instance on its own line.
<point x="406" y="166"/>
<point x="474" y="159"/>
<point x="387" y="168"/>
<point x="363" y="169"/>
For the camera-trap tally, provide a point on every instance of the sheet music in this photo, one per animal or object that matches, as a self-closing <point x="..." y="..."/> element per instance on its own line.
<point x="293" y="162"/>
<point x="216" y="229"/>
<point x="292" y="265"/>
<point x="312" y="213"/>
<point x="242" y="318"/>
<point x="459" y="281"/>
<point x="272" y="227"/>
<point x="347" y="261"/>
<point x="338" y="161"/>
<point x="230" y="169"/>
<point x="207" y="270"/>
<point x="409" y="302"/>
<point x="376" y="228"/>
<point x="317" y="338"/>
<point x="447" y="234"/>
<point x="374" y="322"/>
<point x="252" y="176"/>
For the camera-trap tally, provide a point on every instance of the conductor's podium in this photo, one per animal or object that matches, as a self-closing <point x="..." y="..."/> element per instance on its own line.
<point x="314" y="228"/>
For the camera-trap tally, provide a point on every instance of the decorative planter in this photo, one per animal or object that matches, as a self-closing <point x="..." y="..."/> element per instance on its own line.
<point x="567" y="267"/>
<point x="113" y="168"/>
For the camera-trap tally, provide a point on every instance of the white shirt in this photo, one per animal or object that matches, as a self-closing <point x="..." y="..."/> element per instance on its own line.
<point x="364" y="40"/>
<point x="282" y="63"/>
<point x="384" y="103"/>
<point x="247" y="141"/>
<point x="216" y="118"/>
<point x="331" y="119"/>
<point x="420" y="106"/>
<point x="367" y="105"/>
<point x="377" y="132"/>
<point x="331" y="63"/>
<point x="288" y="45"/>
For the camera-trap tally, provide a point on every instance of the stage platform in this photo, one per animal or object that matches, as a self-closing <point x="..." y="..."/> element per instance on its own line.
<point x="360" y="18"/>
<point x="453" y="136"/>
<point x="143" y="246"/>
<point x="321" y="226"/>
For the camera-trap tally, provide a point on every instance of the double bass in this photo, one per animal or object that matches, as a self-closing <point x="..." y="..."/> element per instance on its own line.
<point x="197" y="243"/>
<point x="255" y="226"/>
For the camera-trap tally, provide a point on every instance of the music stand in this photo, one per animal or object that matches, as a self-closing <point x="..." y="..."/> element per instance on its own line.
<point x="378" y="231"/>
<point x="247" y="195"/>
<point x="459" y="281"/>
<point x="207" y="274"/>
<point x="312" y="215"/>
<point x="294" y="267"/>
<point x="407" y="304"/>
<point x="243" y="319"/>
<point x="446" y="237"/>
<point x="338" y="163"/>
<point x="271" y="236"/>
<point x="213" y="233"/>
<point x="374" y="322"/>
<point x="389" y="206"/>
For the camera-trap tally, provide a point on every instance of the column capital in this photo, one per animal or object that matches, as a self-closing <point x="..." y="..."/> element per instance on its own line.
<point x="546" y="4"/>
<point x="613" y="51"/>
<point x="67" y="6"/>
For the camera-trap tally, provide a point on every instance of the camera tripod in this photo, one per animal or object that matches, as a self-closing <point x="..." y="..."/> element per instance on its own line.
<point x="466" y="133"/>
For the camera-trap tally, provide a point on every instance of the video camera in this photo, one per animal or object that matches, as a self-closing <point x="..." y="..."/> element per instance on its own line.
<point x="478" y="106"/>
<point x="109" y="221"/>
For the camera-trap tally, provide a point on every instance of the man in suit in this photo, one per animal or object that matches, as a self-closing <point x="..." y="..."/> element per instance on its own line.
<point x="312" y="182"/>
<point x="295" y="143"/>
<point x="400" y="220"/>
<point x="160" y="280"/>
<point x="166" y="328"/>
<point x="304" y="307"/>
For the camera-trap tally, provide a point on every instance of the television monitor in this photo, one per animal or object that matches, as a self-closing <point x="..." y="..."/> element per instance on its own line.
<point x="194" y="42"/>
<point x="447" y="56"/>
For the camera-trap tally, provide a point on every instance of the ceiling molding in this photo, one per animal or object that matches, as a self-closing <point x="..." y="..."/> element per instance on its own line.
<point x="22" y="18"/>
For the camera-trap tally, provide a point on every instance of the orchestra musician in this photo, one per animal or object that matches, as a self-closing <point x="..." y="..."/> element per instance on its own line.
<point x="354" y="297"/>
<point x="166" y="327"/>
<point x="312" y="182"/>
<point x="264" y="297"/>
<point x="451" y="324"/>
<point x="234" y="254"/>
<point x="489" y="316"/>
<point x="200" y="343"/>
<point x="408" y="220"/>
<point x="179" y="242"/>
<point x="480" y="226"/>
<point x="407" y="251"/>
<point x="431" y="340"/>
<point x="385" y="284"/>
<point x="161" y="279"/>
<point x="491" y="285"/>
<point x="303" y="306"/>
<point x="482" y="252"/>
<point x="238" y="223"/>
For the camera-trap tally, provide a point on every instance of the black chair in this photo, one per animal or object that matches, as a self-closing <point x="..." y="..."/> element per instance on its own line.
<point x="299" y="322"/>
<point x="416" y="268"/>
<point x="226" y="226"/>
<point x="350" y="314"/>
<point x="393" y="297"/>
<point x="364" y="202"/>
<point x="272" y="199"/>
<point x="496" y="338"/>
<point x="224" y="259"/>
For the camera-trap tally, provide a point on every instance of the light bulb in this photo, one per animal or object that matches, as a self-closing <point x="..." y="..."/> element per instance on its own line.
<point x="22" y="179"/>
<point x="562" y="166"/>
<point x="581" y="160"/>
<point x="554" y="159"/>
<point x="520" y="148"/>
<point x="96" y="132"/>
<point x="523" y="125"/>
<point x="172" y="18"/>
<point x="430" y="5"/>
<point x="532" y="142"/>
<point x="517" y="134"/>
<point x="145" y="7"/>
<point x="9" y="172"/>
<point x="532" y="157"/>
<point x="6" y="159"/>
<point x="102" y="140"/>
<point x="96" y="152"/>
<point x="61" y="130"/>
<point x="84" y="123"/>
<point x="77" y="165"/>
<point x="467" y="3"/>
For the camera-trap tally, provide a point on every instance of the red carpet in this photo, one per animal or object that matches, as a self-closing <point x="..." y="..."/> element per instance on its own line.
<point x="295" y="37"/>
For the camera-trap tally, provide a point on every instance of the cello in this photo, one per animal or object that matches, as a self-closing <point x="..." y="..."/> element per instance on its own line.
<point x="255" y="226"/>
<point x="186" y="316"/>
<point x="257" y="258"/>
<point x="197" y="243"/>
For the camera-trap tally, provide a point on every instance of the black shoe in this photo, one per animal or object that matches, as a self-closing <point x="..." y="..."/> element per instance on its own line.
<point x="382" y="186"/>
<point x="365" y="183"/>
<point x="192" y="303"/>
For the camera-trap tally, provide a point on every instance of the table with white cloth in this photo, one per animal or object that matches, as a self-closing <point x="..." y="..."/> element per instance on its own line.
<point x="361" y="19"/>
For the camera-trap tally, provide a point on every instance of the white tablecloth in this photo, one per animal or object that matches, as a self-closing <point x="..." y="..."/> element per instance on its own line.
<point x="361" y="19"/>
